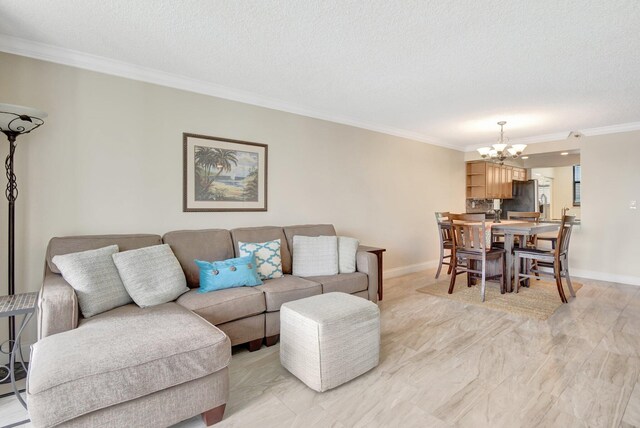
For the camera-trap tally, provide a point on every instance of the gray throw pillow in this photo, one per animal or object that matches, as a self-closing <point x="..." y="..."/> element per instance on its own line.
<point x="151" y="275"/>
<point x="95" y="278"/>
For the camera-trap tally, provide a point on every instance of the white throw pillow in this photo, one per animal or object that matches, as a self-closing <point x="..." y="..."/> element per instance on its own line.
<point x="315" y="255"/>
<point x="151" y="275"/>
<point x="95" y="278"/>
<point x="347" y="249"/>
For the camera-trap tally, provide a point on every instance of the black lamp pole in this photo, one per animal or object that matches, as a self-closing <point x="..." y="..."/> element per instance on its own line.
<point x="11" y="193"/>
<point x="14" y="121"/>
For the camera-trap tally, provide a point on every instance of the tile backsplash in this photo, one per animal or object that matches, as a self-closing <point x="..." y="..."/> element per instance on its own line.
<point x="479" y="205"/>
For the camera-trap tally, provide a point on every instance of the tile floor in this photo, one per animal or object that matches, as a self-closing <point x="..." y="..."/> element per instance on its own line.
<point x="446" y="364"/>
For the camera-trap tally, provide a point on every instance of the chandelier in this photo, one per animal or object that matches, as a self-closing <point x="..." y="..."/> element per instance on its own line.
<point x="501" y="150"/>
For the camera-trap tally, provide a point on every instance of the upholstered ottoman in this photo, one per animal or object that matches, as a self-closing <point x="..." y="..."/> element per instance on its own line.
<point x="329" y="339"/>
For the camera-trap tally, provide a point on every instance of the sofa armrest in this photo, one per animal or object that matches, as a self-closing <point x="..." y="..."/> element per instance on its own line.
<point x="57" y="305"/>
<point x="368" y="263"/>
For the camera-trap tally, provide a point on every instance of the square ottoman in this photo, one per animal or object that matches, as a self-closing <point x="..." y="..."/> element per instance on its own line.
<point x="329" y="339"/>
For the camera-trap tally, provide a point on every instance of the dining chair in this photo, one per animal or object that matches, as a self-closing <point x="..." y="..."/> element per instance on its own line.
<point x="472" y="245"/>
<point x="446" y="241"/>
<point x="556" y="260"/>
<point x="531" y="216"/>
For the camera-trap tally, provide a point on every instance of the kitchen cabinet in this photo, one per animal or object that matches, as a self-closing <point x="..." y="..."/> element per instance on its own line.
<point x="487" y="180"/>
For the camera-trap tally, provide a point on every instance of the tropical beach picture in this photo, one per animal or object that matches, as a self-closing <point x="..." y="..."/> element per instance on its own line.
<point x="224" y="175"/>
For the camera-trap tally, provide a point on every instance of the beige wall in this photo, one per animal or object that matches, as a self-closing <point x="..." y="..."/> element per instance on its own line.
<point x="610" y="230"/>
<point x="109" y="160"/>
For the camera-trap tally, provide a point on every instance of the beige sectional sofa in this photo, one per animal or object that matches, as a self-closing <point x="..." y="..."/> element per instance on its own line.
<point x="141" y="358"/>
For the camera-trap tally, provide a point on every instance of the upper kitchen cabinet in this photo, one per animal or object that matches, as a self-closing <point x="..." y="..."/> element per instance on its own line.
<point x="487" y="180"/>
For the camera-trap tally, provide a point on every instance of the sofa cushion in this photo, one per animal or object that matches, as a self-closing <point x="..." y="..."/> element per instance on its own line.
<point x="280" y="290"/>
<point x="95" y="279"/>
<point x="121" y="355"/>
<point x="345" y="282"/>
<point x="207" y="244"/>
<point x="151" y="275"/>
<point x="307" y="230"/>
<point x="74" y="244"/>
<point x="315" y="255"/>
<point x="222" y="306"/>
<point x="264" y="234"/>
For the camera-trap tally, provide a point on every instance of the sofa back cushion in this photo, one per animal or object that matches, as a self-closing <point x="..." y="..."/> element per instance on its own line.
<point x="208" y="244"/>
<point x="75" y="244"/>
<point x="308" y="230"/>
<point x="264" y="234"/>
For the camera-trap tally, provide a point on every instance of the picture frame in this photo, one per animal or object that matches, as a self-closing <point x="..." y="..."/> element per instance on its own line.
<point x="221" y="174"/>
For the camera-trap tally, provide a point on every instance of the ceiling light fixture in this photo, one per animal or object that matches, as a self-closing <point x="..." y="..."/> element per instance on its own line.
<point x="524" y="157"/>
<point x="564" y="153"/>
<point x="501" y="150"/>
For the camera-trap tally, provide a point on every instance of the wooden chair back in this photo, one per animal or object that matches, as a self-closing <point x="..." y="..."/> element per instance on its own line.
<point x="564" y="235"/>
<point x="524" y="216"/>
<point x="442" y="216"/>
<point x="467" y="217"/>
<point x="471" y="237"/>
<point x="444" y="227"/>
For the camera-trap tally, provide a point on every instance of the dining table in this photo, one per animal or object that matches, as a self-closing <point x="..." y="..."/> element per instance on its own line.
<point x="522" y="229"/>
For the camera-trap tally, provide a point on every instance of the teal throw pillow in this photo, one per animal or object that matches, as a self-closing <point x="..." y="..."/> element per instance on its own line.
<point x="267" y="255"/>
<point x="238" y="272"/>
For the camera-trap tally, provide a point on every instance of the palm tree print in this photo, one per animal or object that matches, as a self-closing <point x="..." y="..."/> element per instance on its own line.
<point x="207" y="160"/>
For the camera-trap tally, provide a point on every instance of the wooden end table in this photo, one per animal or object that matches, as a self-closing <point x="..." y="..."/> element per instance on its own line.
<point x="378" y="252"/>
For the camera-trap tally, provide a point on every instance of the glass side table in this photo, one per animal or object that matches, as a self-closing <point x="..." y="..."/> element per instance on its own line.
<point x="11" y="306"/>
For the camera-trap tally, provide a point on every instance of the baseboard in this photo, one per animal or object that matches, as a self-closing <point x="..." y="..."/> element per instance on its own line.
<point x="404" y="270"/>
<point x="605" y="276"/>
<point x="581" y="273"/>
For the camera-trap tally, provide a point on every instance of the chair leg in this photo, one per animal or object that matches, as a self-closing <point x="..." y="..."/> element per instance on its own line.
<point x="441" y="260"/>
<point x="535" y="266"/>
<point x="453" y="276"/>
<point x="450" y="266"/>
<point x="472" y="265"/>
<point x="565" y="266"/>
<point x="516" y="268"/>
<point x="484" y="274"/>
<point x="557" y="274"/>
<point x="503" y="283"/>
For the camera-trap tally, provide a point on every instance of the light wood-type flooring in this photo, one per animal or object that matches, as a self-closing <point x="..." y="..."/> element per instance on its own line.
<point x="446" y="364"/>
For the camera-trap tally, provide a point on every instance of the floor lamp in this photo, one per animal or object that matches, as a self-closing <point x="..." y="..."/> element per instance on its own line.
<point x="14" y="121"/>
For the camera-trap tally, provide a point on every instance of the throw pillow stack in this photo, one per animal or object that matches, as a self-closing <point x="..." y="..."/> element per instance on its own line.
<point x="324" y="255"/>
<point x="105" y="279"/>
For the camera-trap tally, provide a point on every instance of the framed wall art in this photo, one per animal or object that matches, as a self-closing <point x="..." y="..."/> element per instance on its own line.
<point x="223" y="175"/>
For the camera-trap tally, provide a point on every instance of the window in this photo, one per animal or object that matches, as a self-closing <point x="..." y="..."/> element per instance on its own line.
<point x="576" y="185"/>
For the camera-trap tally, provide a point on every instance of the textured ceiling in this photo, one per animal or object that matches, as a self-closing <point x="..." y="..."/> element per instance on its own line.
<point x="440" y="71"/>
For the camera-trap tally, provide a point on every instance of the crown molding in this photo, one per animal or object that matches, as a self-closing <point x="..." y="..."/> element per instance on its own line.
<point x="612" y="129"/>
<point x="41" y="51"/>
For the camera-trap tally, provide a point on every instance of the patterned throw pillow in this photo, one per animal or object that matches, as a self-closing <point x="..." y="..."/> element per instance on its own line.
<point x="267" y="254"/>
<point x="229" y="273"/>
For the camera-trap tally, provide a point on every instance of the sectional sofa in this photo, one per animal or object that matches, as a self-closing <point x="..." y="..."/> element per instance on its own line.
<point x="142" y="360"/>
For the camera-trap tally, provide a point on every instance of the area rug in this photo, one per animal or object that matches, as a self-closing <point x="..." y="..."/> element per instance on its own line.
<point x="539" y="301"/>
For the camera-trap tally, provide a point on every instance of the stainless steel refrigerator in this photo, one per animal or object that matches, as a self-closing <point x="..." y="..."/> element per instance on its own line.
<point x="524" y="199"/>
